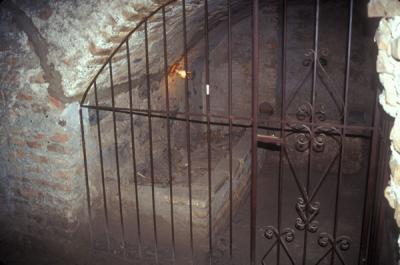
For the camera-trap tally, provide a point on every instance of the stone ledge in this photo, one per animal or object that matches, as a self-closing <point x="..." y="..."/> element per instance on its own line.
<point x="383" y="8"/>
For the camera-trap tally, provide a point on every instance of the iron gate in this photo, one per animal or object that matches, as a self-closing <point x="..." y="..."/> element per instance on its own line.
<point x="308" y="133"/>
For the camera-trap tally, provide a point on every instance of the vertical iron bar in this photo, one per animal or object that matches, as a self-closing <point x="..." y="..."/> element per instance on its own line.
<point x="103" y="183"/>
<point x="188" y="140"/>
<point x="117" y="159"/>
<point x="171" y="197"/>
<point x="150" y="139"/>
<point x="254" y="92"/>
<point x="383" y="178"/>
<point x="283" y="121"/>
<point x="230" y="126"/>
<point x="370" y="187"/>
<point x="313" y="98"/>
<point x="207" y="74"/>
<point x="343" y="130"/>
<point x="133" y="151"/>
<point x="86" y="176"/>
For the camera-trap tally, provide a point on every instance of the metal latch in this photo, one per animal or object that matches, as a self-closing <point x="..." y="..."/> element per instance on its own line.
<point x="269" y="139"/>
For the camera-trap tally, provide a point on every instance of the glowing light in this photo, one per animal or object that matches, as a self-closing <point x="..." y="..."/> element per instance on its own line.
<point x="182" y="73"/>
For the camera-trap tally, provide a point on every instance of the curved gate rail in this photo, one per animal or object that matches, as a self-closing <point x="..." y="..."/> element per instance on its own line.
<point x="309" y="126"/>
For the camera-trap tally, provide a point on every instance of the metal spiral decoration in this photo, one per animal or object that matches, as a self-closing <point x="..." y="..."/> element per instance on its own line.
<point x="319" y="143"/>
<point x="342" y="242"/>
<point x="307" y="213"/>
<point x="321" y="113"/>
<point x="286" y="235"/>
<point x="302" y="142"/>
<point x="304" y="111"/>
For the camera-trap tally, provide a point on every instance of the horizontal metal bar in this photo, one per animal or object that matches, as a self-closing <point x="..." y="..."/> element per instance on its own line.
<point x="357" y="131"/>
<point x="269" y="139"/>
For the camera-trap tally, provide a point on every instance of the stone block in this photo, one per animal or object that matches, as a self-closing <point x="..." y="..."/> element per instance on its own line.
<point x="395" y="135"/>
<point x="395" y="48"/>
<point x="383" y="8"/>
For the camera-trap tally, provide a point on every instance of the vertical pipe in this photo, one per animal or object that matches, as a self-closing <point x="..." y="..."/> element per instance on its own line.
<point x="171" y="197"/>
<point x="150" y="139"/>
<point x="343" y="130"/>
<point x="207" y="74"/>
<point x="133" y="151"/>
<point x="86" y="176"/>
<point x="254" y="92"/>
<point x="188" y="140"/>
<point x="117" y="159"/>
<point x="103" y="183"/>
<point x="312" y="119"/>
<point x="230" y="125"/>
<point x="283" y="122"/>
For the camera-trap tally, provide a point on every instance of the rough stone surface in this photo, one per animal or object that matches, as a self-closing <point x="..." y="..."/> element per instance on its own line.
<point x="388" y="67"/>
<point x="383" y="8"/>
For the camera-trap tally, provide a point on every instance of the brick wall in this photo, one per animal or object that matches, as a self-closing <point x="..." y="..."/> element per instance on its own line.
<point x="49" y="52"/>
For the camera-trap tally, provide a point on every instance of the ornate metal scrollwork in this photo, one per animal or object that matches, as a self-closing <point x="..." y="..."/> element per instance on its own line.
<point x="307" y="213"/>
<point x="286" y="235"/>
<point x="302" y="142"/>
<point x="304" y="111"/>
<point x="319" y="143"/>
<point x="341" y="243"/>
<point x="321" y="56"/>
<point x="321" y="113"/>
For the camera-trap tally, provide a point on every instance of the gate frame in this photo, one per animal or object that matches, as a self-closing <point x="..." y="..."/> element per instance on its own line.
<point x="372" y="204"/>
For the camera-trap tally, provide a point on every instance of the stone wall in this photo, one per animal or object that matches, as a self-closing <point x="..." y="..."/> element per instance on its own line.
<point x="387" y="38"/>
<point x="388" y="67"/>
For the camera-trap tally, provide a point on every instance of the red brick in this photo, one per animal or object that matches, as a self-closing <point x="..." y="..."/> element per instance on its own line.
<point x="18" y="142"/>
<point x="56" y="148"/>
<point x="60" y="138"/>
<point x="39" y="136"/>
<point x="24" y="96"/>
<point x="98" y="51"/>
<point x="52" y="185"/>
<point x="61" y="174"/>
<point x="35" y="169"/>
<point x="55" y="102"/>
<point x="39" y="159"/>
<point x="33" y="144"/>
<point x="28" y="193"/>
